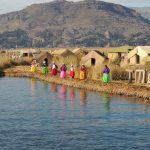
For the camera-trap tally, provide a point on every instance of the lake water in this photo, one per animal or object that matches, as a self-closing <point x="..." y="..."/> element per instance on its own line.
<point x="37" y="115"/>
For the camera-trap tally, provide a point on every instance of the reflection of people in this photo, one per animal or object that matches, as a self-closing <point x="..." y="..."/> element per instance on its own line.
<point x="53" y="69"/>
<point x="106" y="74"/>
<point x="72" y="72"/>
<point x="106" y="102"/>
<point x="53" y="88"/>
<point x="72" y="94"/>
<point x="83" y="72"/>
<point x="63" y="92"/>
<point x="63" y="70"/>
<point x="33" y="85"/>
<point x="53" y="91"/>
<point x="83" y="97"/>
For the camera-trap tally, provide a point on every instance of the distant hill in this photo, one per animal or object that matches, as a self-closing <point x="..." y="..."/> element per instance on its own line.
<point x="61" y="23"/>
<point x="144" y="11"/>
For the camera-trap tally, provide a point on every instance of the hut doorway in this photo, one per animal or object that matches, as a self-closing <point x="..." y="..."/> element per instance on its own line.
<point x="93" y="61"/>
<point x="46" y="61"/>
<point x="137" y="59"/>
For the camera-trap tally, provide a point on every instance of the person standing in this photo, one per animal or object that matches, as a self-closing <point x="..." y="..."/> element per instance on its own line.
<point x="63" y="70"/>
<point x="106" y="74"/>
<point x="53" y="69"/>
<point x="44" y="66"/>
<point x="33" y="65"/>
<point x="72" y="71"/>
<point x="83" y="73"/>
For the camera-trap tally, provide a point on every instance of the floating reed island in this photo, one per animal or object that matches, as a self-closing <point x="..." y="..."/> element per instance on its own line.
<point x="140" y="92"/>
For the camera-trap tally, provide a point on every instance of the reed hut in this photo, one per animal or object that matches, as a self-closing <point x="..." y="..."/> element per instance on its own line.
<point x="118" y="53"/>
<point x="29" y="52"/>
<point x="64" y="56"/>
<point x="139" y="55"/>
<point x="93" y="58"/>
<point x="43" y="56"/>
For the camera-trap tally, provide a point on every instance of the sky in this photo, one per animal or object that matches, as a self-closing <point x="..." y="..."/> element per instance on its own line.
<point x="14" y="5"/>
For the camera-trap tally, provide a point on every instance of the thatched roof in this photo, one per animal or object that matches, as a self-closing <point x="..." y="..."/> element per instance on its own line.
<point x="146" y="49"/>
<point x="33" y="51"/>
<point x="44" y="55"/>
<point x="93" y="54"/>
<point x="122" y="49"/>
<point x="61" y="52"/>
<point x="77" y="50"/>
<point x="143" y="51"/>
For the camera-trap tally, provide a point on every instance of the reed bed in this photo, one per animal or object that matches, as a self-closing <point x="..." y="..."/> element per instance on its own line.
<point x="5" y="62"/>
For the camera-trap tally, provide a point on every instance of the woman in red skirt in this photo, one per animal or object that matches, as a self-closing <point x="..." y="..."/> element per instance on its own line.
<point x="53" y="69"/>
<point x="72" y="72"/>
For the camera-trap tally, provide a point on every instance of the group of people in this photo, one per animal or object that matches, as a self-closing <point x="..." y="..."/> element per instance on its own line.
<point x="63" y="71"/>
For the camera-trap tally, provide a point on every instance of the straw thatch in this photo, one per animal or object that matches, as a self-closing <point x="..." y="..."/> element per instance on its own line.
<point x="118" y="53"/>
<point x="44" y="55"/>
<point x="93" y="58"/>
<point x="61" y="52"/>
<point x="139" y="55"/>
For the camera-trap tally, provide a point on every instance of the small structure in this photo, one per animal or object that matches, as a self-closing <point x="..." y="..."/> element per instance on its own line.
<point x="45" y="56"/>
<point x="139" y="55"/>
<point x="130" y="72"/>
<point x="140" y="76"/>
<point x="29" y="52"/>
<point x="148" y="79"/>
<point x="118" y="53"/>
<point x="93" y="58"/>
<point x="64" y="56"/>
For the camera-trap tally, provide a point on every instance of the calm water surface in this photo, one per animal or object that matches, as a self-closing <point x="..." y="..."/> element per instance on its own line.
<point x="36" y="115"/>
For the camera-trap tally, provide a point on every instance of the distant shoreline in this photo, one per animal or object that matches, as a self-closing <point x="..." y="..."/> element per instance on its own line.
<point x="131" y="90"/>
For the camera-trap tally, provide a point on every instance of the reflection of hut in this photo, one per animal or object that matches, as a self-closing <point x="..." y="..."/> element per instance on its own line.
<point x="139" y="55"/>
<point x="43" y="56"/>
<point x="93" y="58"/>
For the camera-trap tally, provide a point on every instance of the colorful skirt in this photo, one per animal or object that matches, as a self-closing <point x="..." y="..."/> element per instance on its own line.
<point x="44" y="70"/>
<point x="106" y="78"/>
<point x="82" y="75"/>
<point x="54" y="72"/>
<point x="63" y="74"/>
<point x="33" y="68"/>
<point x="72" y="73"/>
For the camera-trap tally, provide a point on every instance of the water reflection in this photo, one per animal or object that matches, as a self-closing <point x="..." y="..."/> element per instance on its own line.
<point x="33" y="86"/>
<point x="83" y="97"/>
<point x="72" y="96"/>
<point x="45" y="86"/>
<point x="53" y="90"/>
<point x="63" y="94"/>
<point x="106" y="102"/>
